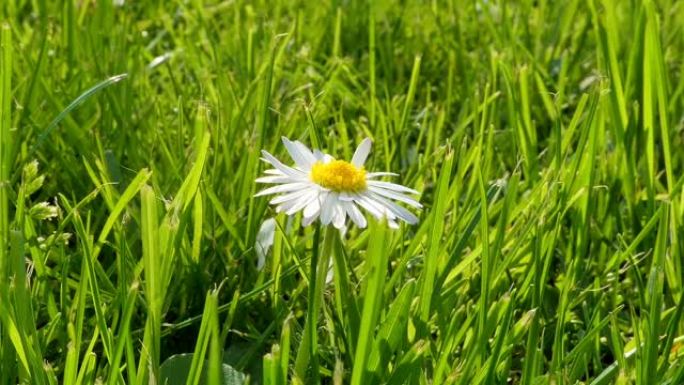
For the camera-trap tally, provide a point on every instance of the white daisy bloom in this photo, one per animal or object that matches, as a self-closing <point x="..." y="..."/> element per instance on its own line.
<point x="322" y="187"/>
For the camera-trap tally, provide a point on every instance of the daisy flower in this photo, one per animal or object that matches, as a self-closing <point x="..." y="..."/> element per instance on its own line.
<point x="323" y="187"/>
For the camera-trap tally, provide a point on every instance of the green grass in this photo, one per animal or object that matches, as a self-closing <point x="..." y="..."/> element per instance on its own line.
<point x="545" y="138"/>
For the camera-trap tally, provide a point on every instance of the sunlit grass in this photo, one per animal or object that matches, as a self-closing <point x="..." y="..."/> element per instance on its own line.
<point x="544" y="136"/>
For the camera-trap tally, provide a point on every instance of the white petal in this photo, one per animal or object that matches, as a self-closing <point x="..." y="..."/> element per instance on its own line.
<point x="371" y="207"/>
<point x="384" y="209"/>
<point x="273" y="171"/>
<point x="303" y="202"/>
<point x="340" y="216"/>
<point x="344" y="196"/>
<point x="289" y="196"/>
<point x="264" y="241"/>
<point x="283" y="168"/>
<point x="372" y="175"/>
<point x="328" y="208"/>
<point x="313" y="208"/>
<point x="320" y="157"/>
<point x="300" y="158"/>
<point x="391" y="186"/>
<point x="396" y="196"/>
<point x="392" y="224"/>
<point x="362" y="152"/>
<point x="399" y="211"/>
<point x="306" y="152"/>
<point x="285" y="206"/>
<point x="287" y="187"/>
<point x="355" y="214"/>
<point x="309" y="220"/>
<point x="277" y="179"/>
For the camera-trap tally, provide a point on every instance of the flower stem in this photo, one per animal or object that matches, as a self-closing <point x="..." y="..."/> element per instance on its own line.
<point x="308" y="350"/>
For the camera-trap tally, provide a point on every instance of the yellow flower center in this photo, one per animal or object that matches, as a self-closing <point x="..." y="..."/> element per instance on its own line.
<point x="339" y="175"/>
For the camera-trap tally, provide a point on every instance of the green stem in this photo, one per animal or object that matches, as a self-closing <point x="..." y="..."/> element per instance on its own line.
<point x="308" y="351"/>
<point x="376" y="262"/>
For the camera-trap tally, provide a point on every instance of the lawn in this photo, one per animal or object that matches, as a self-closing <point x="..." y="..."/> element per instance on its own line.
<point x="539" y="238"/>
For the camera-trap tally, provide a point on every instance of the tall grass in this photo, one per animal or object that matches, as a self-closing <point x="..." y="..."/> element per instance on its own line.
<point x="545" y="138"/>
